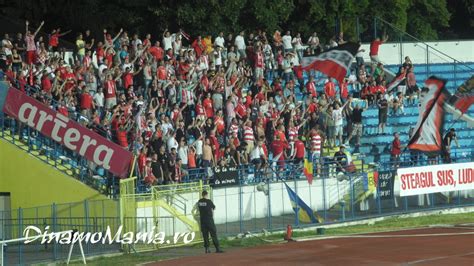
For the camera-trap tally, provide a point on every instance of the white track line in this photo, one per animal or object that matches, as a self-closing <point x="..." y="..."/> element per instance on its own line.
<point x="438" y="258"/>
<point x="386" y="236"/>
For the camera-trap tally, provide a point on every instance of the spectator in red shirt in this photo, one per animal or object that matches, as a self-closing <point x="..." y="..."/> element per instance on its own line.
<point x="142" y="160"/>
<point x="208" y="107"/>
<point x="46" y="84"/>
<point x="161" y="72"/>
<point x="381" y="88"/>
<point x="299" y="76"/>
<point x="344" y="90"/>
<point x="374" y="49"/>
<point x="330" y="89"/>
<point x="62" y="109"/>
<point x="312" y="106"/>
<point x="241" y="111"/>
<point x="199" y="46"/>
<point x="396" y="149"/>
<point x="127" y="78"/>
<point x="278" y="150"/>
<point x="149" y="177"/>
<point x="122" y="135"/>
<point x="156" y="51"/>
<point x="54" y="39"/>
<point x="311" y="87"/>
<point x="178" y="173"/>
<point x="87" y="103"/>
<point x="300" y="151"/>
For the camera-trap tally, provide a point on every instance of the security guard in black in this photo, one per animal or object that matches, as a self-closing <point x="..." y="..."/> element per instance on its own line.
<point x="206" y="209"/>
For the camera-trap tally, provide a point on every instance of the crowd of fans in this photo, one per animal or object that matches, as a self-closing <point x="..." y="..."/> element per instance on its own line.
<point x="181" y="102"/>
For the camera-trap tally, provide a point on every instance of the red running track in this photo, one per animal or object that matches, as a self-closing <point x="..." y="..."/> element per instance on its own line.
<point x="431" y="246"/>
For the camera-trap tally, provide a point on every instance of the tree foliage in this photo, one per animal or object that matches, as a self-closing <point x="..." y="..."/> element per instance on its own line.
<point x="425" y="19"/>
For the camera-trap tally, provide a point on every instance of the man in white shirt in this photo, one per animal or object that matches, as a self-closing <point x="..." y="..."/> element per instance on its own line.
<point x="286" y="39"/>
<point x="313" y="42"/>
<point x="167" y="40"/>
<point x="338" y="122"/>
<point x="183" y="153"/>
<point x="172" y="143"/>
<point x="166" y="126"/>
<point x="298" y="44"/>
<point x="257" y="154"/>
<point x="240" y="44"/>
<point x="99" y="99"/>
<point x="288" y="67"/>
<point x="7" y="45"/>
<point x="136" y="42"/>
<point x="219" y="41"/>
<point x="352" y="80"/>
<point x="389" y="96"/>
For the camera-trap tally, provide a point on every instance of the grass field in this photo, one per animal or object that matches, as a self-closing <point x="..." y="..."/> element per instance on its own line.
<point x="228" y="244"/>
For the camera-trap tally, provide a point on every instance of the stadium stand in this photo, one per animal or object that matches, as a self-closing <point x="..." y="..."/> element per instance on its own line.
<point x="166" y="87"/>
<point x="189" y="108"/>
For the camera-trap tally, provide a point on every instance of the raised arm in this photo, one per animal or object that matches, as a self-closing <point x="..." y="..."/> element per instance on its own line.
<point x="39" y="28"/>
<point x="62" y="86"/>
<point x="138" y="71"/>
<point x="26" y="23"/>
<point x="302" y="123"/>
<point x="105" y="36"/>
<point x="118" y="35"/>
<point x="119" y="76"/>
<point x="64" y="33"/>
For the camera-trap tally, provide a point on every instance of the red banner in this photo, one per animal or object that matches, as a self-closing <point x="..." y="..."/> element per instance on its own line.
<point x="68" y="133"/>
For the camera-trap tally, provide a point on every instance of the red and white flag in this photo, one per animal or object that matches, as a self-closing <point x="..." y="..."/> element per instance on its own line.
<point x="464" y="96"/>
<point x="396" y="81"/>
<point x="334" y="62"/>
<point x="428" y="135"/>
<point x="184" y="34"/>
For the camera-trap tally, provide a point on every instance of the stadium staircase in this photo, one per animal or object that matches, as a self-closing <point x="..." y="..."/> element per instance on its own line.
<point x="179" y="213"/>
<point x="55" y="155"/>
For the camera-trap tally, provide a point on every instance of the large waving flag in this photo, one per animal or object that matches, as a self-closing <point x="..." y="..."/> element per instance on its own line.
<point x="305" y="213"/>
<point x="334" y="62"/>
<point x="428" y="135"/>
<point x="464" y="96"/>
<point x="396" y="81"/>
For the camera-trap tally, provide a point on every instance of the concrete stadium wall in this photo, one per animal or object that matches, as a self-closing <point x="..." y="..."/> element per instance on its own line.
<point x="392" y="53"/>
<point x="32" y="183"/>
<point x="254" y="203"/>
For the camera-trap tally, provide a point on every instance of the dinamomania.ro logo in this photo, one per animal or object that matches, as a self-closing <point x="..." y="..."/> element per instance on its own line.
<point x="33" y="233"/>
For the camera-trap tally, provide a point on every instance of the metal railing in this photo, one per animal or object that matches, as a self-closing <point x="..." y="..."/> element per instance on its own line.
<point x="427" y="56"/>
<point x="247" y="206"/>
<point x="403" y="33"/>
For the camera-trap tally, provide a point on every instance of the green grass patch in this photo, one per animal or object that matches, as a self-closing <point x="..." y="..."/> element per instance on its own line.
<point x="403" y="223"/>
<point x="388" y="224"/>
